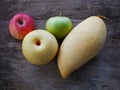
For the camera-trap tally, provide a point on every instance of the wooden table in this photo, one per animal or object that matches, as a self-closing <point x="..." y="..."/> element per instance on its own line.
<point x="101" y="73"/>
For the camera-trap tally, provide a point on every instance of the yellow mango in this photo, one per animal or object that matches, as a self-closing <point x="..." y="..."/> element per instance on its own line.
<point x="81" y="45"/>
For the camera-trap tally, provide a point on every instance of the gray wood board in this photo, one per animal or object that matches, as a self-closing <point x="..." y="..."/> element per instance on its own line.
<point x="101" y="73"/>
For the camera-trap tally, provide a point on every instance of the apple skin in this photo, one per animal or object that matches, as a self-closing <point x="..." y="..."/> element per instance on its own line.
<point x="39" y="47"/>
<point x="59" y="26"/>
<point x="20" y="25"/>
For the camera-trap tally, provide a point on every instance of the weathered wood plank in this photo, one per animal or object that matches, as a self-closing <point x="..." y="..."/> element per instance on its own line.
<point x="101" y="73"/>
<point x="43" y="9"/>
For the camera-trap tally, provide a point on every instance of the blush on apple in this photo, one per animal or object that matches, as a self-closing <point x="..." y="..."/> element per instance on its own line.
<point x="20" y="25"/>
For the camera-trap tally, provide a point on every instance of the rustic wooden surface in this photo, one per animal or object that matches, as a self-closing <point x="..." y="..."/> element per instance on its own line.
<point x="101" y="73"/>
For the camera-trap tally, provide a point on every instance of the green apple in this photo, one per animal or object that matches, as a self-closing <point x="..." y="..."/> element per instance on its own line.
<point x="39" y="47"/>
<point x="59" y="26"/>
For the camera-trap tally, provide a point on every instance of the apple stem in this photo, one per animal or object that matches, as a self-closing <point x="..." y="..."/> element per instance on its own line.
<point x="60" y="13"/>
<point x="20" y="22"/>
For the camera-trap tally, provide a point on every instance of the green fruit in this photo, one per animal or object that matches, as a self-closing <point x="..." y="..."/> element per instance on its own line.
<point x="59" y="26"/>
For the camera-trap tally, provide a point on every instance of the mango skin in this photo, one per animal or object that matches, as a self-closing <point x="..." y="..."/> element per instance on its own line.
<point x="81" y="45"/>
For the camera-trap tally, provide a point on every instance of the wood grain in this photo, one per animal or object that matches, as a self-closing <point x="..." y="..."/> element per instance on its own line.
<point x="101" y="73"/>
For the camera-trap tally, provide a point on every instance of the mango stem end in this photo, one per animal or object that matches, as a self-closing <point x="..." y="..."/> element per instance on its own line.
<point x="104" y="17"/>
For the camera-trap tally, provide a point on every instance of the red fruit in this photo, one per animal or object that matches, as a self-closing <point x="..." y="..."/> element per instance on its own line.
<point x="20" y="25"/>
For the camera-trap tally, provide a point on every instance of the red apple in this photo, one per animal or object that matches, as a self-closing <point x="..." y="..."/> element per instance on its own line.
<point x="20" y="25"/>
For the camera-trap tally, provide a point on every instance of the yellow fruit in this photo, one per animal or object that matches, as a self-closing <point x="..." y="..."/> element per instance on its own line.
<point x="81" y="45"/>
<point x="39" y="47"/>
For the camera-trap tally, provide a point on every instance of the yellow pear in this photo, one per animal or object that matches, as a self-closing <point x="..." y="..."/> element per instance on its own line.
<point x="81" y="45"/>
<point x="39" y="47"/>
